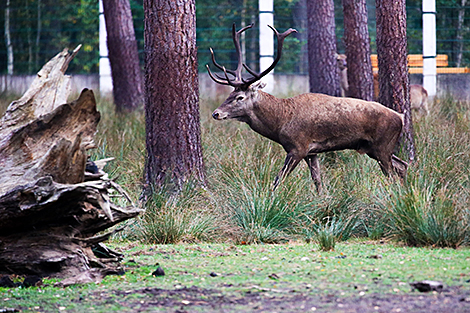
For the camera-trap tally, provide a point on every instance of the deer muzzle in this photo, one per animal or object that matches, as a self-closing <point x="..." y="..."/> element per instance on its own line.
<point x="219" y="115"/>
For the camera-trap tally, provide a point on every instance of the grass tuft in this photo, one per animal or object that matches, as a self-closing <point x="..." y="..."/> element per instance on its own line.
<point x="177" y="217"/>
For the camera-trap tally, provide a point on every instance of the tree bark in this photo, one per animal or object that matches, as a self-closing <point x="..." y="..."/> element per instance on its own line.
<point x="51" y="206"/>
<point x="394" y="81"/>
<point x="123" y="55"/>
<point x="460" y="31"/>
<point x="323" y="72"/>
<point x="357" y="42"/>
<point x="174" y="151"/>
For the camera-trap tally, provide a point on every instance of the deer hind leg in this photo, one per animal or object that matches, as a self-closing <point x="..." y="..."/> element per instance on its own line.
<point x="314" y="166"/>
<point x="384" y="159"/>
<point x="399" y="166"/>
<point x="292" y="160"/>
<point x="389" y="163"/>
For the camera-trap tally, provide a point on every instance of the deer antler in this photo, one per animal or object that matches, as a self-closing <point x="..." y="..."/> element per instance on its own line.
<point x="238" y="81"/>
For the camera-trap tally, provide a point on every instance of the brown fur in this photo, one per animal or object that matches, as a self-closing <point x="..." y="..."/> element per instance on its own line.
<point x="309" y="124"/>
<point x="419" y="99"/>
<point x="343" y="74"/>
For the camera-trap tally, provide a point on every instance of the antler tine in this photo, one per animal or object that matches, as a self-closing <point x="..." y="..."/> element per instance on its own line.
<point x="280" y="42"/>
<point x="236" y="41"/>
<point x="239" y="81"/>
<point x="216" y="79"/>
<point x="220" y="67"/>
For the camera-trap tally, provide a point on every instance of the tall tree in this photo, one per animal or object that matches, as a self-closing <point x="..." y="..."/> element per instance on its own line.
<point x="8" y="39"/>
<point x="123" y="55"/>
<point x="323" y="72"/>
<point x="357" y="42"/>
<point x="174" y="151"/>
<point x="460" y="33"/>
<point x="38" y="35"/>
<point x="394" y="80"/>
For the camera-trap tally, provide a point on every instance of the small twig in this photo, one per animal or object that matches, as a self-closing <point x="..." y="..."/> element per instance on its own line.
<point x="269" y="289"/>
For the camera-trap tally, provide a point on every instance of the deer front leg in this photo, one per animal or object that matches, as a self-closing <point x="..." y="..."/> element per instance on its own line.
<point x="314" y="166"/>
<point x="292" y="160"/>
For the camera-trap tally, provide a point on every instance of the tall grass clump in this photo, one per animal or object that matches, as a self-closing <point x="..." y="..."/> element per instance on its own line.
<point x="172" y="217"/>
<point x="244" y="193"/>
<point x="426" y="213"/>
<point x="121" y="136"/>
<point x="432" y="207"/>
<point x="332" y="218"/>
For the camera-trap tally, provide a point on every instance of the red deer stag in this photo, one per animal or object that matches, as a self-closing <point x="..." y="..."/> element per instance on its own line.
<point x="308" y="124"/>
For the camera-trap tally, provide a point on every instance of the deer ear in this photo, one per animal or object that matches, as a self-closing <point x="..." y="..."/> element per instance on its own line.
<point x="258" y="85"/>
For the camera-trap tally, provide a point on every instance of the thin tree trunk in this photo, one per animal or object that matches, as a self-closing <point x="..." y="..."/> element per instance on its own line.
<point x="323" y="73"/>
<point x="243" y="24"/>
<point x="123" y="55"/>
<point x="38" y="35"/>
<point x="394" y="81"/>
<point x="8" y="40"/>
<point x="28" y="37"/>
<point x="460" y="32"/>
<point x="174" y="152"/>
<point x="357" y="41"/>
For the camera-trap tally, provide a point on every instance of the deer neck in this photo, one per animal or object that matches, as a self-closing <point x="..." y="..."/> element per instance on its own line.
<point x="267" y="116"/>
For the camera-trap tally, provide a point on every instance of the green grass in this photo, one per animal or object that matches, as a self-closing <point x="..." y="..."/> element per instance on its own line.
<point x="349" y="272"/>
<point x="431" y="207"/>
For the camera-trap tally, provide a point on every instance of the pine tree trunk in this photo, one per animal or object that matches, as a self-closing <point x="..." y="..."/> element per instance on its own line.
<point x="460" y="32"/>
<point x="323" y="72"/>
<point x="123" y="55"/>
<point x="394" y="81"/>
<point x="357" y="41"/>
<point x="174" y="151"/>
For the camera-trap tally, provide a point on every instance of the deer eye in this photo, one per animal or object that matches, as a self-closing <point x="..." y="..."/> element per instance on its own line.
<point x="240" y="98"/>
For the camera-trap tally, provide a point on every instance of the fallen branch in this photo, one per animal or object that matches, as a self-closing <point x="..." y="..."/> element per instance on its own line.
<point x="54" y="203"/>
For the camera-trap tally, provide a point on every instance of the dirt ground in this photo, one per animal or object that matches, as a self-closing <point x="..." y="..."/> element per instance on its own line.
<point x="208" y="300"/>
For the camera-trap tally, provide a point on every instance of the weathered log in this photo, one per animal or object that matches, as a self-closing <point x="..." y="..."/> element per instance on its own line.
<point x="51" y="209"/>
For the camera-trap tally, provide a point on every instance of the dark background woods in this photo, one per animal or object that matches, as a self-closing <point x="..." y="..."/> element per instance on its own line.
<point x="41" y="28"/>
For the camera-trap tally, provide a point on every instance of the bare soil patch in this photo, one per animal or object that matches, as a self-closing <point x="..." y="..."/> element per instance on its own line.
<point x="195" y="299"/>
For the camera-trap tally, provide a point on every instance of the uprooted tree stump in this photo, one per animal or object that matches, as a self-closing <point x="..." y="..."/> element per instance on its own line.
<point x="55" y="204"/>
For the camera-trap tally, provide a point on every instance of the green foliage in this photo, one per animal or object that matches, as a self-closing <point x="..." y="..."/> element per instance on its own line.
<point x="42" y="28"/>
<point x="246" y="193"/>
<point x="328" y="231"/>
<point x="67" y="24"/>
